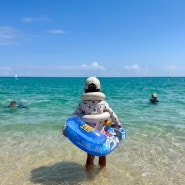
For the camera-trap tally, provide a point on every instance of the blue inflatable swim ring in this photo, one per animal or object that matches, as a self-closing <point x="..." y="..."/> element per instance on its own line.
<point x="90" y="140"/>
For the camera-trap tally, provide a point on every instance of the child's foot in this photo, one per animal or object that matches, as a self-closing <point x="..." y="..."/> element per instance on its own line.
<point x="89" y="167"/>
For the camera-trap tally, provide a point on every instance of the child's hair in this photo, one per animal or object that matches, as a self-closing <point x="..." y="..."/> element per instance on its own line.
<point x="92" y="90"/>
<point x="12" y="103"/>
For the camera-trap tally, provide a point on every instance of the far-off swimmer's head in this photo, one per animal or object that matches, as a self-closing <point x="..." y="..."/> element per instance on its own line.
<point x="154" y="95"/>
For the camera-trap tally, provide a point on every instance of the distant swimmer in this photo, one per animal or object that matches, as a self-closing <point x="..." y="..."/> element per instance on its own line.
<point x="14" y="105"/>
<point x="154" y="98"/>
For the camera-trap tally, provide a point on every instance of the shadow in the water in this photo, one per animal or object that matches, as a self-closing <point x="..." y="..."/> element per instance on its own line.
<point x="62" y="173"/>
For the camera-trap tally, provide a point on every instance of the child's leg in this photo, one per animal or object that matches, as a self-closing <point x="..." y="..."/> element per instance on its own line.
<point x="102" y="161"/>
<point x="90" y="160"/>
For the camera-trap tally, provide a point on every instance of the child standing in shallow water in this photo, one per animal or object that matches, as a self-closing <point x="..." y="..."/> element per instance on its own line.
<point x="92" y="110"/>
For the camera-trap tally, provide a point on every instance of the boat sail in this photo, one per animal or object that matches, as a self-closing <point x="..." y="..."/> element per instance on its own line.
<point x="16" y="76"/>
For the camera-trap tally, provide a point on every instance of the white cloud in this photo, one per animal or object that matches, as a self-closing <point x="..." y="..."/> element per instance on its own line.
<point x="171" y="68"/>
<point x="27" y="19"/>
<point x="69" y="71"/>
<point x="93" y="66"/>
<point x="84" y="67"/>
<point x="32" y="19"/>
<point x="174" y="70"/>
<point x="5" y="71"/>
<point x="134" y="67"/>
<point x="10" y="36"/>
<point x="56" y="31"/>
<point x="135" y="70"/>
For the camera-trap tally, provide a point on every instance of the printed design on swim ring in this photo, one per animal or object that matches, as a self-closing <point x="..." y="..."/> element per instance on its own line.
<point x="96" y="117"/>
<point x="93" y="96"/>
<point x="90" y="140"/>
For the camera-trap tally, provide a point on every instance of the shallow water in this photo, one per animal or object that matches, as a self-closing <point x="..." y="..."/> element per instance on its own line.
<point x="33" y="150"/>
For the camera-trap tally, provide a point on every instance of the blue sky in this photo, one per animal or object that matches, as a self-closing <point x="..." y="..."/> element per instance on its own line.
<point x="74" y="38"/>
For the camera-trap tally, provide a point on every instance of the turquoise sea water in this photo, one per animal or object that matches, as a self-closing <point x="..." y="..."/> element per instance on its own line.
<point x="33" y="150"/>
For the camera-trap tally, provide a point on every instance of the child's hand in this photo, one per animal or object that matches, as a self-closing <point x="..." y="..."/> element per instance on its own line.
<point x="116" y="126"/>
<point x="107" y="123"/>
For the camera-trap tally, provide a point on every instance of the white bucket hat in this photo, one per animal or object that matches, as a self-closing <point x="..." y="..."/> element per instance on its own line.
<point x="92" y="80"/>
<point x="154" y="95"/>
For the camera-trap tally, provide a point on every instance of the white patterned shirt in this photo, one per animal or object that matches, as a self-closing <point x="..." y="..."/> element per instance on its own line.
<point x="94" y="107"/>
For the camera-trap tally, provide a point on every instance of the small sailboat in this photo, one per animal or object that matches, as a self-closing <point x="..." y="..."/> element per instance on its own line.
<point x="16" y="76"/>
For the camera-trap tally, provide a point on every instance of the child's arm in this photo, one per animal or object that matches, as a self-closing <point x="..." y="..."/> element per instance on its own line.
<point x="113" y="115"/>
<point x="78" y="110"/>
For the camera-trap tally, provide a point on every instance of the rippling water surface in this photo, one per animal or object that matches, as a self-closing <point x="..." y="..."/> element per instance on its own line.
<point x="33" y="150"/>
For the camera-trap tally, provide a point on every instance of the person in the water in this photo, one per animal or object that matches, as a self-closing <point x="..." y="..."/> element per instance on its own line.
<point x="14" y="105"/>
<point x="154" y="98"/>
